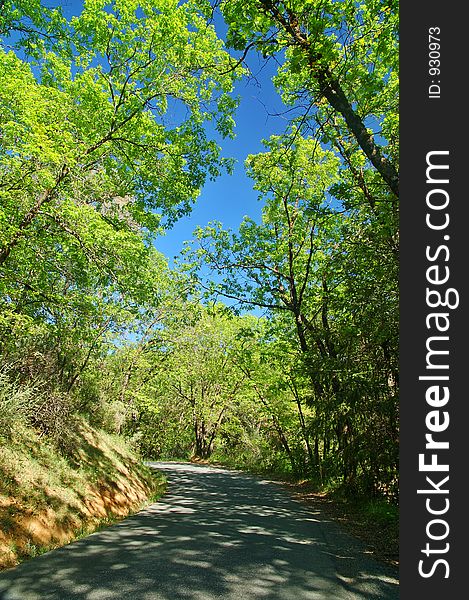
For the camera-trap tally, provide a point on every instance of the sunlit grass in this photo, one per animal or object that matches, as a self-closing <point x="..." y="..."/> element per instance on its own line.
<point x="48" y="498"/>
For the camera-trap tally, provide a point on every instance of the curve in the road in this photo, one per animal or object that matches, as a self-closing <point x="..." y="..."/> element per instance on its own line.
<point x="216" y="534"/>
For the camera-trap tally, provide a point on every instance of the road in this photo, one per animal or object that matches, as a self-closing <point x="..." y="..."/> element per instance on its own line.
<point x="216" y="534"/>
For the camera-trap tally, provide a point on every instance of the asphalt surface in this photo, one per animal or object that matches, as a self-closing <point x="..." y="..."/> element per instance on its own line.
<point x="216" y="534"/>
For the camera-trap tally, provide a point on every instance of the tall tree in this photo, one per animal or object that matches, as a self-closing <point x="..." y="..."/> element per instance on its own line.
<point x="328" y="275"/>
<point x="338" y="66"/>
<point x="103" y="144"/>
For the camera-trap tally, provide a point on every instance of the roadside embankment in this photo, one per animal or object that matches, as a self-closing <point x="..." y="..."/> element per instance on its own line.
<point x="50" y="497"/>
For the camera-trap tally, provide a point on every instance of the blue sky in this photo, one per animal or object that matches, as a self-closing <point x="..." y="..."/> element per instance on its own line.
<point x="229" y="198"/>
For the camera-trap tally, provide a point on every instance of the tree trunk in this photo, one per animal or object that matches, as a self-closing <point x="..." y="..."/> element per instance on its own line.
<point x="330" y="88"/>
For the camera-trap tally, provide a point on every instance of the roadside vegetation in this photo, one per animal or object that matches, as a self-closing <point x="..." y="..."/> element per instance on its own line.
<point x="55" y="489"/>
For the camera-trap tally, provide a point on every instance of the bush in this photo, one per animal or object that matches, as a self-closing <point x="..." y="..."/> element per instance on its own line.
<point x="16" y="401"/>
<point x="106" y="414"/>
<point x="54" y="416"/>
<point x="51" y="413"/>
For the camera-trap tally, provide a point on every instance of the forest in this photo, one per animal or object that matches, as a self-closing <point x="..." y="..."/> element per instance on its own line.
<point x="272" y="347"/>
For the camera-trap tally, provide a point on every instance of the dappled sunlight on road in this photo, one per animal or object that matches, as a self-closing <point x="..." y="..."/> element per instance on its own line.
<point x="216" y="534"/>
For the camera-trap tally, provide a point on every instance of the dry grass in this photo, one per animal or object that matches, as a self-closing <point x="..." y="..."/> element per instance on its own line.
<point x="47" y="500"/>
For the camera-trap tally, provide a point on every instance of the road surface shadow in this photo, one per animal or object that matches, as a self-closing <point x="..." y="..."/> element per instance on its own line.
<point x="216" y="534"/>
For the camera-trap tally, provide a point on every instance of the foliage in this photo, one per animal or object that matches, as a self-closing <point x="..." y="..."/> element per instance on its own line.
<point x="15" y="403"/>
<point x="108" y="129"/>
<point x="102" y="145"/>
<point x="324" y="49"/>
<point x="313" y="264"/>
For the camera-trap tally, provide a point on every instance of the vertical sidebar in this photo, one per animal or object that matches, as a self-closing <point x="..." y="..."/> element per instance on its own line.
<point x="434" y="236"/>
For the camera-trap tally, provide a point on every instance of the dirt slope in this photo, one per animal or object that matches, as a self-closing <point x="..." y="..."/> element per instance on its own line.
<point x="49" y="498"/>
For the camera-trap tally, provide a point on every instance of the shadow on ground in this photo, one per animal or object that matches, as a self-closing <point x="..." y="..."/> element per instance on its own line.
<point x="215" y="534"/>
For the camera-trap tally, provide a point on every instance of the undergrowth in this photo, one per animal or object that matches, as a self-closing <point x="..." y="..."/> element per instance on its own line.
<point x="54" y="488"/>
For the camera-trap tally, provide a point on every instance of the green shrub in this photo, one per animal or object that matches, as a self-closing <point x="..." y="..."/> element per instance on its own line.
<point x="16" y="401"/>
<point x="51" y="413"/>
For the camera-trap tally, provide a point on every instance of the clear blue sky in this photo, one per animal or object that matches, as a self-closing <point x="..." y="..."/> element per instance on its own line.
<point x="229" y="198"/>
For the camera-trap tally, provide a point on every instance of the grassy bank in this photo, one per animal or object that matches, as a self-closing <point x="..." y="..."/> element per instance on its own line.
<point x="49" y="497"/>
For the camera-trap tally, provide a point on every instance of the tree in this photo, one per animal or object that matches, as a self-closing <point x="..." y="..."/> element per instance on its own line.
<point x="99" y="134"/>
<point x="274" y="264"/>
<point x="325" y="48"/>
<point x="103" y="145"/>
<point x="186" y="385"/>
<point x="327" y="276"/>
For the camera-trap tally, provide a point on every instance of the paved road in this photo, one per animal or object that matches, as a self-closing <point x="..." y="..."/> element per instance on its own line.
<point x="216" y="534"/>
